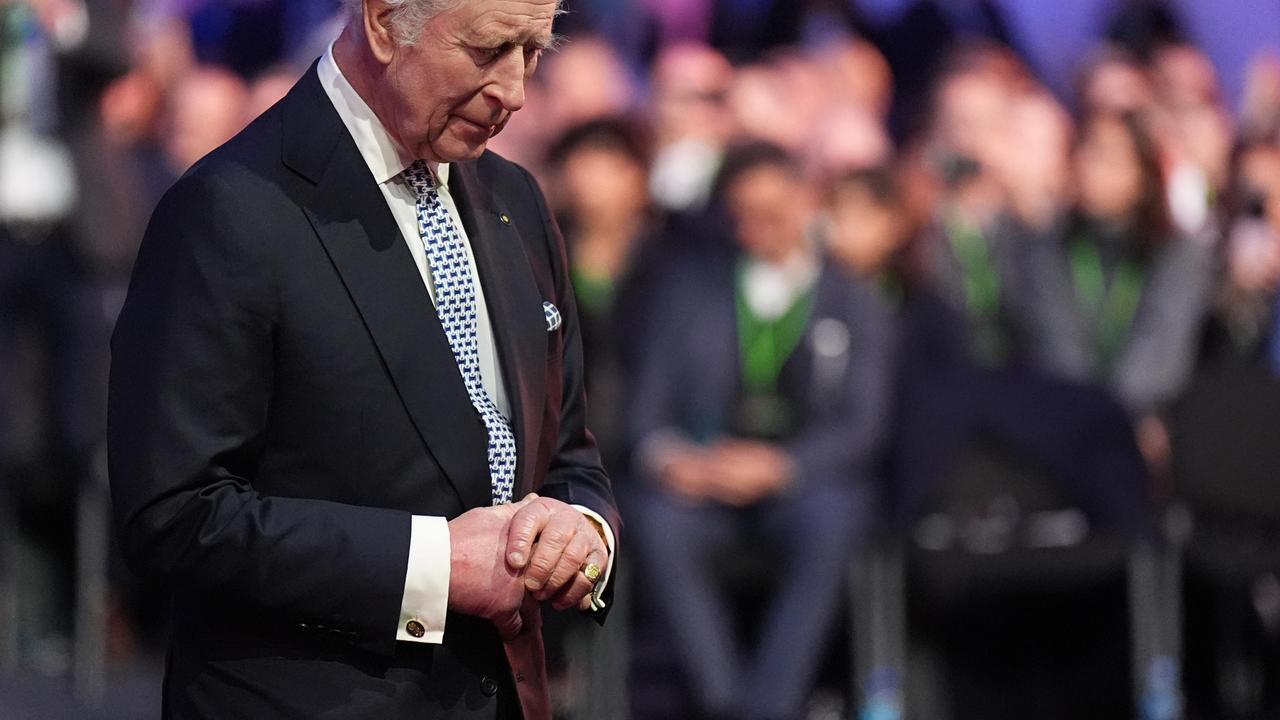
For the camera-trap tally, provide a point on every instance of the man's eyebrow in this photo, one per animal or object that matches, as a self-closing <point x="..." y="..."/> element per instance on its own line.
<point x="545" y="42"/>
<point x="548" y="41"/>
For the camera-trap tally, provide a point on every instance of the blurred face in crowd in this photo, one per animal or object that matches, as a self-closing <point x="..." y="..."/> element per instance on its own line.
<point x="860" y="76"/>
<point x="1259" y="179"/>
<point x="604" y="183"/>
<point x="1108" y="170"/>
<point x="456" y="84"/>
<point x="267" y="90"/>
<point x="1186" y="77"/>
<point x="130" y="107"/>
<point x="1260" y="113"/>
<point x="771" y="210"/>
<point x="1116" y="85"/>
<point x="690" y="93"/>
<point x="206" y="110"/>
<point x="972" y="118"/>
<point x="866" y="229"/>
<point x="1037" y="169"/>
<point x="587" y="81"/>
<point x="1253" y="251"/>
<point x="1203" y="135"/>
<point x="781" y="101"/>
<point x="847" y="139"/>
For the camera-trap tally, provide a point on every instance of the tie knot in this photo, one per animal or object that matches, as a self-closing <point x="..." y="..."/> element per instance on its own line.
<point x="420" y="178"/>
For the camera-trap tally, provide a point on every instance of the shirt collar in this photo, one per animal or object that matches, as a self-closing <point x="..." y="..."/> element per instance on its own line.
<point x="384" y="156"/>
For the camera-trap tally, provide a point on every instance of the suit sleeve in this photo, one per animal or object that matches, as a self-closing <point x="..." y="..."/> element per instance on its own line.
<point x="189" y="402"/>
<point x="576" y="474"/>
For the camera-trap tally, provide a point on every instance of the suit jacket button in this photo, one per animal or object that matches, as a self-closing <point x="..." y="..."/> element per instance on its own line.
<point x="488" y="686"/>
<point x="415" y="628"/>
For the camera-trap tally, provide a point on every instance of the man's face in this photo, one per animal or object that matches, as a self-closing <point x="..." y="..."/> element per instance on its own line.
<point x="458" y="85"/>
<point x="770" y="211"/>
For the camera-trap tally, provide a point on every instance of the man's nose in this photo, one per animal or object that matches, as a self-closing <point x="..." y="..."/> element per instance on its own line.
<point x="507" y="84"/>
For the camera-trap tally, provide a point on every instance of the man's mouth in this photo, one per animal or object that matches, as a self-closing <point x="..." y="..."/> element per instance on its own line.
<point x="489" y="129"/>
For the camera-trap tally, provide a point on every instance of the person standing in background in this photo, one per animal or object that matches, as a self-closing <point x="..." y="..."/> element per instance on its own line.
<point x="599" y="191"/>
<point x="1242" y="329"/>
<point x="1123" y="291"/>
<point x="57" y="241"/>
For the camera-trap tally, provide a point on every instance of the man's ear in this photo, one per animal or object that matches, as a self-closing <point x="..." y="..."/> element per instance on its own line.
<point x="376" y="22"/>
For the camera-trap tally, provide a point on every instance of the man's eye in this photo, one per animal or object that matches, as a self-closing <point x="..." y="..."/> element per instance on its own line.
<point x="488" y="55"/>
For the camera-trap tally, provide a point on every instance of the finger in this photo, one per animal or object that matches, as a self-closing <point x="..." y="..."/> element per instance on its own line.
<point x="509" y="625"/>
<point x="554" y="538"/>
<point x="570" y="564"/>
<point x="512" y="508"/>
<point x="525" y="526"/>
<point x="580" y="588"/>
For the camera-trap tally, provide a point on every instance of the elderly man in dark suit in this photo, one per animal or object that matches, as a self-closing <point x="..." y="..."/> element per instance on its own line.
<point x="349" y="343"/>
<point x="759" y="406"/>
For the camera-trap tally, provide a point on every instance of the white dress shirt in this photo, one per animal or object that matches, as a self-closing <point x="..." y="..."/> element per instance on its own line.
<point x="426" y="587"/>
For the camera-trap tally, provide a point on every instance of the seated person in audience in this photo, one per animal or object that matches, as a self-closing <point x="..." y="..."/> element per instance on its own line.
<point x="967" y="370"/>
<point x="870" y="228"/>
<point x="758" y="406"/>
<point x="1120" y="292"/>
<point x="598" y="189"/>
<point x="1243" y="330"/>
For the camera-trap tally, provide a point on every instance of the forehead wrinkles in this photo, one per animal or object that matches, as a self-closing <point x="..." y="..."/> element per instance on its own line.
<point x="527" y="22"/>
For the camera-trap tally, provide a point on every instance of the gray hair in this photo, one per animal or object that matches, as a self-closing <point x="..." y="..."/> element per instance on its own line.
<point x="408" y="17"/>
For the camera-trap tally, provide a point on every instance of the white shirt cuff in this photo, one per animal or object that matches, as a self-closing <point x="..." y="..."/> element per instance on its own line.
<point x="597" y="603"/>
<point x="426" y="582"/>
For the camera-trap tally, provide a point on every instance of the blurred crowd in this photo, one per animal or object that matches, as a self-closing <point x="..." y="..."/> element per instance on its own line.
<point x="818" y="261"/>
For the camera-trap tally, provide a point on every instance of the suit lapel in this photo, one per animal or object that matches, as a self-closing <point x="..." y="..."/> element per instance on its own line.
<point x="351" y="218"/>
<point x="515" y="310"/>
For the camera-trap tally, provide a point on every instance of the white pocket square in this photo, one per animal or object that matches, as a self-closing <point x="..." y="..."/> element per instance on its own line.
<point x="553" y="316"/>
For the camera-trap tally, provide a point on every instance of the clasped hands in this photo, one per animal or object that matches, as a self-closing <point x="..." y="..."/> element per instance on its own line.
<point x="536" y="547"/>
<point x="730" y="471"/>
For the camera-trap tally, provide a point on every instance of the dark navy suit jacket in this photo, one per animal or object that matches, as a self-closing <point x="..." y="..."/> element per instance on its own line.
<point x="839" y="378"/>
<point x="283" y="399"/>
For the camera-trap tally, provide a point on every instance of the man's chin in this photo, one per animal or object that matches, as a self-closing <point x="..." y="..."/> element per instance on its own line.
<point x="457" y="151"/>
<point x="464" y="141"/>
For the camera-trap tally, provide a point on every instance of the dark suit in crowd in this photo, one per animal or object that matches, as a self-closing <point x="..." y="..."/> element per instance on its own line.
<point x="283" y="399"/>
<point x="1151" y="360"/>
<point x="689" y="385"/>
<point x="969" y="374"/>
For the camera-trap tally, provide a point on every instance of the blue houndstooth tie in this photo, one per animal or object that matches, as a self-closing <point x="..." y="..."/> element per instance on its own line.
<point x="456" y="306"/>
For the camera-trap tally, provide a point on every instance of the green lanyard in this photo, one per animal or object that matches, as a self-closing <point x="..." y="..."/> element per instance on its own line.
<point x="765" y="345"/>
<point x="981" y="281"/>
<point x="1111" y="306"/>
<point x="891" y="288"/>
<point x="594" y="292"/>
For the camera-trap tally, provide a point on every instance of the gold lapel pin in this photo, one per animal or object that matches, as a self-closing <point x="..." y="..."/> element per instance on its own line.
<point x="505" y="218"/>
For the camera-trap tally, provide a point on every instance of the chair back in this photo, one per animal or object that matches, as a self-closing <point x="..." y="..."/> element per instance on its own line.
<point x="1226" y="446"/>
